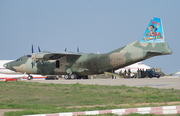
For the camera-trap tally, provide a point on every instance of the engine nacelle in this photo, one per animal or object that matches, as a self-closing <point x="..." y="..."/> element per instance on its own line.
<point x="37" y="57"/>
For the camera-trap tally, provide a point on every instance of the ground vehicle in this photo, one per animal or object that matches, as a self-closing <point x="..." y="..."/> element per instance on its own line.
<point x="140" y="74"/>
<point x="147" y="73"/>
<point x="152" y="73"/>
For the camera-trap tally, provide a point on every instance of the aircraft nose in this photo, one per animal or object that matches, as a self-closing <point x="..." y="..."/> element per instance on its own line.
<point x="5" y="65"/>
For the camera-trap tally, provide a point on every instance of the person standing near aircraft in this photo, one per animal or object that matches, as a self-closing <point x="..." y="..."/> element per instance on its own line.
<point x="129" y="73"/>
<point x="120" y="73"/>
<point x="138" y="73"/>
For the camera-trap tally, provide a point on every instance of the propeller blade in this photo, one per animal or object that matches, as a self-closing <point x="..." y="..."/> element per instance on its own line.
<point x="77" y="49"/>
<point x="32" y="63"/>
<point x="65" y="49"/>
<point x="39" y="49"/>
<point x="32" y="49"/>
<point x="32" y="53"/>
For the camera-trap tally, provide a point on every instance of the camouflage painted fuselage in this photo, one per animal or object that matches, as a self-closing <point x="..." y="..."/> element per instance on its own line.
<point x="82" y="64"/>
<point x="90" y="63"/>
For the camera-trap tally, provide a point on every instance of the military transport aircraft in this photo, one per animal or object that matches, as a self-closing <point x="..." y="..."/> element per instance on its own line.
<point x="77" y="64"/>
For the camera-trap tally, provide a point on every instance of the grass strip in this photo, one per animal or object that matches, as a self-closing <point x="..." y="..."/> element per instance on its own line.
<point x="40" y="98"/>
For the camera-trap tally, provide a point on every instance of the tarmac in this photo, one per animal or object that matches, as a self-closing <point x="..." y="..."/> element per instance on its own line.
<point x="162" y="82"/>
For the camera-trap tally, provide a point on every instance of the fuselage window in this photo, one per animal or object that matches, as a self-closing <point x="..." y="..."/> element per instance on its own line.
<point x="19" y="60"/>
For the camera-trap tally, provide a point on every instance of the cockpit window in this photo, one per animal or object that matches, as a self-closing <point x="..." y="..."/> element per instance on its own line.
<point x="19" y="59"/>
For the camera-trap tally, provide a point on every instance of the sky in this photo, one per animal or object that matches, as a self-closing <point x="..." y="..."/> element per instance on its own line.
<point x="92" y="25"/>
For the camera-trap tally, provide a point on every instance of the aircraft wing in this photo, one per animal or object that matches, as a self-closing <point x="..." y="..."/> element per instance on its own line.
<point x="52" y="55"/>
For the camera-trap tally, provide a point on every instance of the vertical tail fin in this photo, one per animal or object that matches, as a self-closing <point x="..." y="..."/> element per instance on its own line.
<point x="154" y="32"/>
<point x="153" y="42"/>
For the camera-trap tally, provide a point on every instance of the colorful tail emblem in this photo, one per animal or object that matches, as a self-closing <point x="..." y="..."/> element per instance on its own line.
<point x="154" y="32"/>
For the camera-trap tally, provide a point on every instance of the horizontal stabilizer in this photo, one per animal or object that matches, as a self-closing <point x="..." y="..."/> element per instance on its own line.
<point x="154" y="52"/>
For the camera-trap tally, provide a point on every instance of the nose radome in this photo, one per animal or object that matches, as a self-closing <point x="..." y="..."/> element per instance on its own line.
<point x="5" y="65"/>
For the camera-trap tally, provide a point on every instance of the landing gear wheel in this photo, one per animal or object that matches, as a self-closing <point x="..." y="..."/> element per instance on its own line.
<point x="86" y="77"/>
<point x="73" y="76"/>
<point x="29" y="77"/>
<point x="66" y="77"/>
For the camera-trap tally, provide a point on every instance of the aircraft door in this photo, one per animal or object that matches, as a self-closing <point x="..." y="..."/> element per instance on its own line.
<point x="57" y="64"/>
<point x="59" y="68"/>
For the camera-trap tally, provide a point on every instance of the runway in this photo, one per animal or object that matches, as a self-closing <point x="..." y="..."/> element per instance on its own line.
<point x="164" y="82"/>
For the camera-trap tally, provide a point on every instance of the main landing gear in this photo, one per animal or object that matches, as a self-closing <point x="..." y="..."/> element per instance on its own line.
<point x="74" y="76"/>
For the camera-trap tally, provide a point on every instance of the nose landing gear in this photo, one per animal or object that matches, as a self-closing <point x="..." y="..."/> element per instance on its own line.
<point x="29" y="77"/>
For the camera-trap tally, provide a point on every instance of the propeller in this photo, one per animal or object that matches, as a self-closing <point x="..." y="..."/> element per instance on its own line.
<point x="32" y="63"/>
<point x="32" y="51"/>
<point x="77" y="49"/>
<point x="39" y="49"/>
<point x="65" y="49"/>
<point x="31" y="55"/>
<point x="42" y="61"/>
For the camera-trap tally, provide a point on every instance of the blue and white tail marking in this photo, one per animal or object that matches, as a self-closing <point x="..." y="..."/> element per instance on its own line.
<point x="154" y="32"/>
